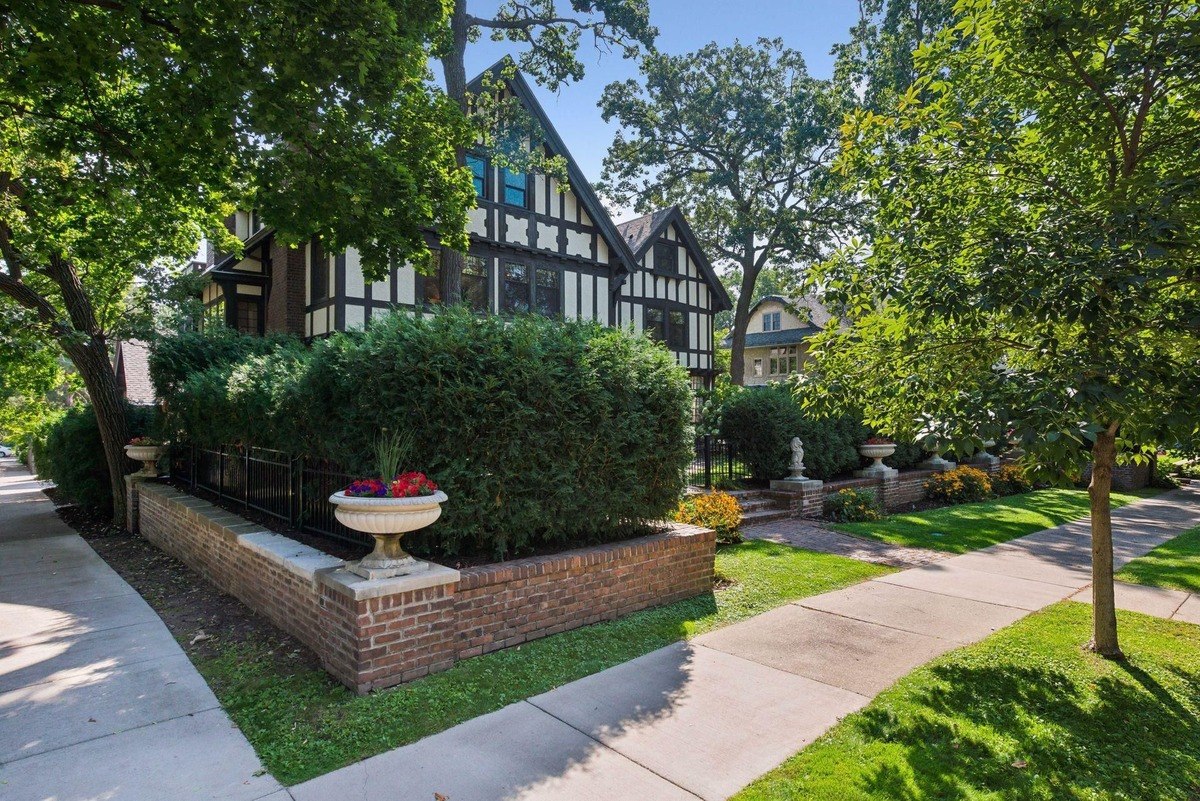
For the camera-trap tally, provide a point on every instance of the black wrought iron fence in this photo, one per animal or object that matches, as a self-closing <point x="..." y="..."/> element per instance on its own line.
<point x="292" y="490"/>
<point x="715" y="462"/>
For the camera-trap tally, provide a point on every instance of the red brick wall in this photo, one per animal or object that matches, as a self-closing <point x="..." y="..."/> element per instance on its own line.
<point x="285" y="306"/>
<point x="204" y="537"/>
<point x="1125" y="476"/>
<point x="907" y="488"/>
<point x="370" y="640"/>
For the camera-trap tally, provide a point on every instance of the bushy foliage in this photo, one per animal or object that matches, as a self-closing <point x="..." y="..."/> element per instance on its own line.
<point x="69" y="453"/>
<point x="173" y="360"/>
<point x="716" y="510"/>
<point x="907" y="454"/>
<point x="852" y="506"/>
<point x="761" y="422"/>
<point x="1011" y="479"/>
<point x="960" y="485"/>
<point x="539" y="432"/>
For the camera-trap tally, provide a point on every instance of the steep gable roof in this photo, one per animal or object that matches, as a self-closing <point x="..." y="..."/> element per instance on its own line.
<point x="579" y="184"/>
<point x="642" y="232"/>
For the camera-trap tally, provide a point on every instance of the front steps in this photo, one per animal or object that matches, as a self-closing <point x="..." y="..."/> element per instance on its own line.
<point x="762" y="506"/>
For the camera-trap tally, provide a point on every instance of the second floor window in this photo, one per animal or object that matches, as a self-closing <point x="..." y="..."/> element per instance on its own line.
<point x="667" y="326"/>
<point x="474" y="282"/>
<point x="524" y="288"/>
<point x="516" y="188"/>
<point x="771" y="321"/>
<point x="478" y="167"/>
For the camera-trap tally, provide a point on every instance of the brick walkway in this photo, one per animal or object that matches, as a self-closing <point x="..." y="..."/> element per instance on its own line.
<point x="816" y="537"/>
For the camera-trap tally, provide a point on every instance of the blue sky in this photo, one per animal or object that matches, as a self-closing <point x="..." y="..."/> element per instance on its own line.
<point x="810" y="26"/>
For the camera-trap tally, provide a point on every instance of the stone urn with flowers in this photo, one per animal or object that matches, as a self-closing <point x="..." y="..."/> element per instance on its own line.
<point x="389" y="507"/>
<point x="148" y="451"/>
<point x="877" y="449"/>
<point x="387" y="510"/>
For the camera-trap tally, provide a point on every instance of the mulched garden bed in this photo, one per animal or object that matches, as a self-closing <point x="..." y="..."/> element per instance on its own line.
<point x="205" y="621"/>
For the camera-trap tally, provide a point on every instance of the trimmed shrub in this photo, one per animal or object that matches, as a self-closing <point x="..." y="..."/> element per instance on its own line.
<point x="960" y="485"/>
<point x="716" y="510"/>
<point x="540" y="432"/>
<point x="852" y="506"/>
<point x="72" y="457"/>
<point x="761" y="422"/>
<point x="907" y="455"/>
<point x="1011" y="480"/>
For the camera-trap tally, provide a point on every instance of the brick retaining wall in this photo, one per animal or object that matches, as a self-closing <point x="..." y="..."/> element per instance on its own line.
<point x="901" y="490"/>
<point x="374" y="634"/>
<point x="1125" y="476"/>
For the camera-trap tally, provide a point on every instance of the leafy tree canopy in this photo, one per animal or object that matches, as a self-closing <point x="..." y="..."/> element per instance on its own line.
<point x="128" y="130"/>
<point x="1035" y="261"/>
<point x="878" y="58"/>
<point x="742" y="138"/>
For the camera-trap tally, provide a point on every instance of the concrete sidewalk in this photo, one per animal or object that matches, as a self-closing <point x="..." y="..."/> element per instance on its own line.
<point x="702" y="719"/>
<point x="97" y="700"/>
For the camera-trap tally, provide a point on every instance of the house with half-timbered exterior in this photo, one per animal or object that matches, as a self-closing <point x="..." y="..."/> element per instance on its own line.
<point x="535" y="247"/>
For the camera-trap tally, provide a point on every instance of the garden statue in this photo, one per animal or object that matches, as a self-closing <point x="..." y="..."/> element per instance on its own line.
<point x="797" y="460"/>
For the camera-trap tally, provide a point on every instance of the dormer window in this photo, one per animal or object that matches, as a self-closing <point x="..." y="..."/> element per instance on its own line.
<point x="516" y="188"/>
<point x="771" y="321"/>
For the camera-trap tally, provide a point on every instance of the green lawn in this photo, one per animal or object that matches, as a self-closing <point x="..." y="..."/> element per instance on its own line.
<point x="1025" y="715"/>
<point x="970" y="526"/>
<point x="1175" y="564"/>
<point x="303" y="724"/>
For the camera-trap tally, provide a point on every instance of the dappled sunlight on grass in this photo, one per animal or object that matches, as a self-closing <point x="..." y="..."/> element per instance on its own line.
<point x="1026" y="714"/>
<point x="967" y="527"/>
<point x="1175" y="564"/>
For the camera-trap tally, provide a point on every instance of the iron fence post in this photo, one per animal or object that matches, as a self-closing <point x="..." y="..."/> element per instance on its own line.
<point x="708" y="461"/>
<point x="221" y="471"/>
<point x="246" y="476"/>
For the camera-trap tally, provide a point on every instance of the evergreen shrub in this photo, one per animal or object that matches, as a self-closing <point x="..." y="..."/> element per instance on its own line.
<point x="540" y="432"/>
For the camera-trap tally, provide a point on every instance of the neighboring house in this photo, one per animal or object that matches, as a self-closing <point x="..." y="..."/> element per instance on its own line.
<point x="131" y="363"/>
<point x="777" y="333"/>
<point x="533" y="249"/>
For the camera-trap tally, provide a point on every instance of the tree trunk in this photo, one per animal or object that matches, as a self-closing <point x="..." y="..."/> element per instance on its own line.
<point x="454" y="69"/>
<point x="91" y="359"/>
<point x="1104" y="611"/>
<point x="88" y="350"/>
<point x="741" y="318"/>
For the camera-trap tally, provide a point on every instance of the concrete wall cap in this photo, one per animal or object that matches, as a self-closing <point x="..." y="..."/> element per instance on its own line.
<point x="360" y="589"/>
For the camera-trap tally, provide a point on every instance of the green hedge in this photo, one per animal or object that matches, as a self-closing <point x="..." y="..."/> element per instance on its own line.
<point x="540" y="432"/>
<point x="761" y="421"/>
<point x="69" y="453"/>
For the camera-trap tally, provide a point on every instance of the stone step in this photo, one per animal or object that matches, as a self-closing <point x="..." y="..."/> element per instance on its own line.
<point x="765" y="516"/>
<point x="756" y="504"/>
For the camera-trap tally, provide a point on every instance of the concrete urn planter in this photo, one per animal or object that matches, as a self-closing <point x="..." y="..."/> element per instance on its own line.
<point x="387" y="520"/>
<point x="878" y="452"/>
<point x="148" y="455"/>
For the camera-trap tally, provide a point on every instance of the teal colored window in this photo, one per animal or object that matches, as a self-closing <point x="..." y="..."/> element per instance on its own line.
<point x="516" y="188"/>
<point x="478" y="167"/>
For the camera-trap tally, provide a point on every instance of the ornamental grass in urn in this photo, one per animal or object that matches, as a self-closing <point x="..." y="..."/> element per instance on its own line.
<point x="148" y="451"/>
<point x="388" y="508"/>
